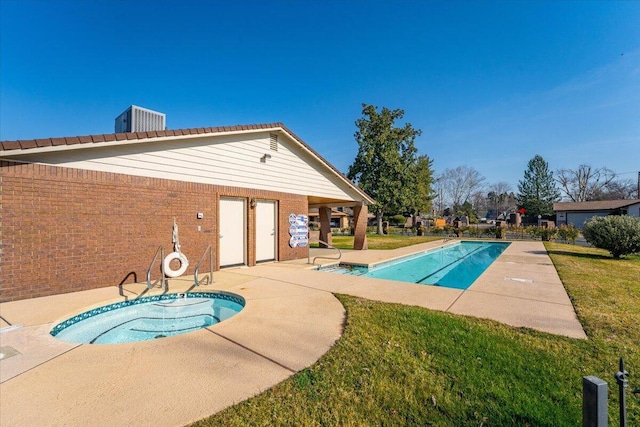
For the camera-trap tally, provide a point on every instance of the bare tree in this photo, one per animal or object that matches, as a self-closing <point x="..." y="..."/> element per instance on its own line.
<point x="479" y="202"/>
<point x="584" y="183"/>
<point x="500" y="197"/>
<point x="618" y="190"/>
<point x="458" y="184"/>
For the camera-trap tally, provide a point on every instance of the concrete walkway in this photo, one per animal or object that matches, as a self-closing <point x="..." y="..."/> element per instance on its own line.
<point x="521" y="288"/>
<point x="290" y="320"/>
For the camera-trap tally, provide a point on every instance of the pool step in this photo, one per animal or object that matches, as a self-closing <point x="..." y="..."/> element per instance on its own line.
<point x="344" y="269"/>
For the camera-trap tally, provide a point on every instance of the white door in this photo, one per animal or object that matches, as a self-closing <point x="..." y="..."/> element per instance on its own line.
<point x="232" y="232"/>
<point x="266" y="231"/>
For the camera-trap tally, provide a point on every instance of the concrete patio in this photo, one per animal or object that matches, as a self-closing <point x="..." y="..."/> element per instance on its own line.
<point x="290" y="320"/>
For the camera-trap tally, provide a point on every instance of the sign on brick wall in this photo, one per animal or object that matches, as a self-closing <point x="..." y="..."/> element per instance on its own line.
<point x="298" y="230"/>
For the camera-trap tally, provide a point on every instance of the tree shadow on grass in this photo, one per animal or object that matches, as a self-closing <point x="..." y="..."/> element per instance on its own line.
<point x="536" y="252"/>
<point x="580" y="255"/>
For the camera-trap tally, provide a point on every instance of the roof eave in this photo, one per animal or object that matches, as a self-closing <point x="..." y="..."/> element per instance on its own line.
<point x="9" y="149"/>
<point x="366" y="198"/>
<point x="115" y="140"/>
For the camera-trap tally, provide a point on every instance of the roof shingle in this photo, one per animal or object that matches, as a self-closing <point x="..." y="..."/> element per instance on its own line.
<point x="596" y="205"/>
<point x="110" y="137"/>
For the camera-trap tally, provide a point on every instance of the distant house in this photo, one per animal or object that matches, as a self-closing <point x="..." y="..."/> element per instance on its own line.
<point x="577" y="213"/>
<point x="340" y="217"/>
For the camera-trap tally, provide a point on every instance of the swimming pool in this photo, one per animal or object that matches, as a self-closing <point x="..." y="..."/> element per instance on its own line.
<point x="148" y="318"/>
<point x="453" y="266"/>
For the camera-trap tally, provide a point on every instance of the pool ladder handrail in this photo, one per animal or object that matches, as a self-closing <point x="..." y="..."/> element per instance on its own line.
<point x="196" y="282"/>
<point x="324" y="257"/>
<point x="160" y="251"/>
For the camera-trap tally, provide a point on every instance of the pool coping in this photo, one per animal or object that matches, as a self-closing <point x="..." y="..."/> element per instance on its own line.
<point x="291" y="319"/>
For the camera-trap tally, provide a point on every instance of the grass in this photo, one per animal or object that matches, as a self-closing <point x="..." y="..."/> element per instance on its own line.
<point x="387" y="241"/>
<point x="402" y="365"/>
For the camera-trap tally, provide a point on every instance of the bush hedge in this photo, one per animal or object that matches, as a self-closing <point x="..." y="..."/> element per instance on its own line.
<point x="620" y="235"/>
<point x="568" y="233"/>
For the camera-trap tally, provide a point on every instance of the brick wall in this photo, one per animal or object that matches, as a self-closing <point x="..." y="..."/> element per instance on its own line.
<point x="286" y="207"/>
<point x="65" y="230"/>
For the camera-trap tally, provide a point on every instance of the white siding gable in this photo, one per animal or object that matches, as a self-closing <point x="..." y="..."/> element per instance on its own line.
<point x="230" y="160"/>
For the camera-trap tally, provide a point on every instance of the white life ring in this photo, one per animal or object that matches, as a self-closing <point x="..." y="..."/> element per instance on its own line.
<point x="184" y="263"/>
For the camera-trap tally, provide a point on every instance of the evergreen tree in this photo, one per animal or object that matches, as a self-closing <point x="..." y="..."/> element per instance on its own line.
<point x="385" y="164"/>
<point x="423" y="181"/>
<point x="537" y="191"/>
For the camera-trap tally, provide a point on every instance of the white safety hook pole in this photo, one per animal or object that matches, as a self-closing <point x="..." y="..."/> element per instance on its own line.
<point x="176" y="241"/>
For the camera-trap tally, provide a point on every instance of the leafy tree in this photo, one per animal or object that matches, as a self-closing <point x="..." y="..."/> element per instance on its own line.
<point x="620" y="235"/>
<point x="423" y="178"/>
<point x="537" y="191"/>
<point x="385" y="164"/>
<point x="466" y="209"/>
<point x="398" y="220"/>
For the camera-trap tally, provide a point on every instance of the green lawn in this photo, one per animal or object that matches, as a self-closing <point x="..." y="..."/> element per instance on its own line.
<point x="387" y="241"/>
<point x="402" y="365"/>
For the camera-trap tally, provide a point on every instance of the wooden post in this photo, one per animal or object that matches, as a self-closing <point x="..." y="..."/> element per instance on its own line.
<point x="360" y="218"/>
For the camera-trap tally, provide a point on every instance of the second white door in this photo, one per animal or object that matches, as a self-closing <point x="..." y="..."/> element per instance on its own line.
<point x="266" y="230"/>
<point x="232" y="232"/>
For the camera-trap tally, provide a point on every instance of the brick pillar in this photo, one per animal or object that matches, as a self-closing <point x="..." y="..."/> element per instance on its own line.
<point x="360" y="227"/>
<point x="325" y="225"/>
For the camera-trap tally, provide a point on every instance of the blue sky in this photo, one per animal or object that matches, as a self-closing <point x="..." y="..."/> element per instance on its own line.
<point x="490" y="84"/>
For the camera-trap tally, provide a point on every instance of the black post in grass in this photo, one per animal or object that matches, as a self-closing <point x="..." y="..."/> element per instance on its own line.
<point x="621" y="378"/>
<point x="594" y="402"/>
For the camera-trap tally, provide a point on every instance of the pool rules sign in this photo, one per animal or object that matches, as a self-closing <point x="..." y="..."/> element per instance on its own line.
<point x="298" y="230"/>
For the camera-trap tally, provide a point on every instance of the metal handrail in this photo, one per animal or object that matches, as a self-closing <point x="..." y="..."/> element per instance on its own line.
<point x="196" y="282"/>
<point x="160" y="251"/>
<point x="324" y="257"/>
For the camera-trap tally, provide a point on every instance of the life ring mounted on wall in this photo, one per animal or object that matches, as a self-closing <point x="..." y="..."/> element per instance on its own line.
<point x="184" y="263"/>
<point x="177" y="255"/>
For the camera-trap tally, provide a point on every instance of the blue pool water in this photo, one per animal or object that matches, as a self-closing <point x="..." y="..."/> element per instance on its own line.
<point x="149" y="318"/>
<point x="456" y="266"/>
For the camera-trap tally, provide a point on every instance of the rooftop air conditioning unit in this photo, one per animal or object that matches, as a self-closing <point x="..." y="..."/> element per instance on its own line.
<point x="138" y="119"/>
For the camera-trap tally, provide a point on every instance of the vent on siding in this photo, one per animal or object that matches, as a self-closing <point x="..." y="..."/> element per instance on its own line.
<point x="273" y="141"/>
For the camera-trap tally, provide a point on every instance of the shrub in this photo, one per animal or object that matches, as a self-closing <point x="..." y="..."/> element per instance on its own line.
<point x="545" y="234"/>
<point x="397" y="220"/>
<point x="519" y="232"/>
<point x="568" y="233"/>
<point x="474" y="232"/>
<point x="436" y="230"/>
<point x="460" y="231"/>
<point x="620" y="235"/>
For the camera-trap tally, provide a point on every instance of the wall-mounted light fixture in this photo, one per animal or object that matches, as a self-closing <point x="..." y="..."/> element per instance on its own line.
<point x="253" y="202"/>
<point x="264" y="158"/>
